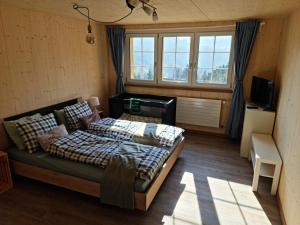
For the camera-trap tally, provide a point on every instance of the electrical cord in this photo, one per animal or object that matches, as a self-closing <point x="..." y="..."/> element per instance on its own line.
<point x="77" y="8"/>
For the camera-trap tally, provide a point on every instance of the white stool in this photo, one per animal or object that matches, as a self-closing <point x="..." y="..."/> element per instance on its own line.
<point x="266" y="160"/>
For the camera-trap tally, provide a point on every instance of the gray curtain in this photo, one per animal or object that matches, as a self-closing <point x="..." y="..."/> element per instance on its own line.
<point x="245" y="35"/>
<point x="117" y="39"/>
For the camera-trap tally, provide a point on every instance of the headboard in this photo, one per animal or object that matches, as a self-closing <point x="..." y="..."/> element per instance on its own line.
<point x="44" y="110"/>
<point x="5" y="142"/>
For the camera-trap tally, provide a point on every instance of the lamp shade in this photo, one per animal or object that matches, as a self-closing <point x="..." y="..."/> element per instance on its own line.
<point x="93" y="101"/>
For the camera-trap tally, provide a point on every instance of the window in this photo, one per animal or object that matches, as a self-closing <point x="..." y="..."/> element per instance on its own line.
<point x="213" y="63"/>
<point x="194" y="59"/>
<point x="176" y="59"/>
<point x="141" y="58"/>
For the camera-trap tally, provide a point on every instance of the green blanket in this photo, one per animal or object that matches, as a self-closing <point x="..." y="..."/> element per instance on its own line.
<point x="135" y="105"/>
<point x="117" y="186"/>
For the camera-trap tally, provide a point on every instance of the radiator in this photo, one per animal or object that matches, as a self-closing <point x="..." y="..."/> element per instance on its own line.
<point x="196" y="111"/>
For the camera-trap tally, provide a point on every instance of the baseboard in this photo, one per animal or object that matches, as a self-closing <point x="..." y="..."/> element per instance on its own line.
<point x="281" y="210"/>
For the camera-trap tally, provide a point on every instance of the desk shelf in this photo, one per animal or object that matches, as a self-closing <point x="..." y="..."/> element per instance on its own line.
<point x="266" y="170"/>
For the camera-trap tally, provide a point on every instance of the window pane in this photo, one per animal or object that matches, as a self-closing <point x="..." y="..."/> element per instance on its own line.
<point x="136" y="72"/>
<point x="142" y="58"/>
<point x="148" y="44"/>
<point x="204" y="75"/>
<point x="206" y="43"/>
<point x="147" y="73"/>
<point x="148" y="58"/>
<point x="137" y="44"/>
<point x="182" y="59"/>
<point x="137" y="59"/>
<point x="168" y="74"/>
<point x="169" y="44"/>
<point x="205" y="60"/>
<point x="183" y="44"/>
<point x="223" y="43"/>
<point x="181" y="74"/>
<point x="169" y="60"/>
<point x="221" y="60"/>
<point x="219" y="76"/>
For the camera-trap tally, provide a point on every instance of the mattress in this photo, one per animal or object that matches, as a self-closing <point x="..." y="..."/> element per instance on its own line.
<point x="84" y="171"/>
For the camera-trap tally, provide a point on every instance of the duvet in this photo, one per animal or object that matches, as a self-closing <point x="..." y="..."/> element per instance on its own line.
<point x="139" y="132"/>
<point x="87" y="148"/>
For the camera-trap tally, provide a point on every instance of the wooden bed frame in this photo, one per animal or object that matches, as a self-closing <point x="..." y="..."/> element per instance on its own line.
<point x="142" y="200"/>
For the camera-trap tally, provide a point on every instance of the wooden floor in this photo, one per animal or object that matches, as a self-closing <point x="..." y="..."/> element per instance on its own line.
<point x="209" y="184"/>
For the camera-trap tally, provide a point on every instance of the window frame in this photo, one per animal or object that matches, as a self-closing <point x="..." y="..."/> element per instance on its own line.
<point x="195" y="33"/>
<point x="127" y="62"/>
<point x="160" y="59"/>
<point x="196" y="55"/>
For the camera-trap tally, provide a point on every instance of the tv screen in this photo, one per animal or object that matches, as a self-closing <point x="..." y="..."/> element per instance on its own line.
<point x="262" y="91"/>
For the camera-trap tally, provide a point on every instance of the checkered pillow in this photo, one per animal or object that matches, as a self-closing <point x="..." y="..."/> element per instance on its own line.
<point x="74" y="112"/>
<point x="29" y="130"/>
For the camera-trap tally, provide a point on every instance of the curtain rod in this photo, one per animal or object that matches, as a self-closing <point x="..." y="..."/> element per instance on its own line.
<point x="145" y="29"/>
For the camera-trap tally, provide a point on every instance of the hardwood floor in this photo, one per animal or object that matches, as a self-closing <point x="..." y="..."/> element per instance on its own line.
<point x="209" y="184"/>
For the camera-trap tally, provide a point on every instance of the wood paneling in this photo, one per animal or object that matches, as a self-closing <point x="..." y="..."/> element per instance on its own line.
<point x="287" y="126"/>
<point x="169" y="11"/>
<point x="44" y="59"/>
<point x="265" y="52"/>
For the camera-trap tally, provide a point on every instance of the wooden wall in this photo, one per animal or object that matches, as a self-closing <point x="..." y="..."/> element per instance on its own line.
<point x="44" y="59"/>
<point x="287" y="126"/>
<point x="263" y="63"/>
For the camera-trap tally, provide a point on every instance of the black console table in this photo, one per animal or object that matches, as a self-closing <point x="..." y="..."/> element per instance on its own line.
<point x="151" y="105"/>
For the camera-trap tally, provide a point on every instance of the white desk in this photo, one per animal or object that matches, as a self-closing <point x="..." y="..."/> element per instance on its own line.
<point x="265" y="159"/>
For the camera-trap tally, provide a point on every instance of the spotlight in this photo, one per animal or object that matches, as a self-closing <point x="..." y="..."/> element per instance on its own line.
<point x="90" y="38"/>
<point x="154" y="15"/>
<point x="147" y="10"/>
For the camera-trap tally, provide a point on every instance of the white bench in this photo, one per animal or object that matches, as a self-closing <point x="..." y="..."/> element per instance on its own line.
<point x="266" y="160"/>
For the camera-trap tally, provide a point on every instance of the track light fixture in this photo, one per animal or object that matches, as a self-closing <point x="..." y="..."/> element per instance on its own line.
<point x="131" y="4"/>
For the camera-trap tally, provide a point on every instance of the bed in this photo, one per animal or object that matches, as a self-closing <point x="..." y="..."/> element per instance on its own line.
<point x="82" y="177"/>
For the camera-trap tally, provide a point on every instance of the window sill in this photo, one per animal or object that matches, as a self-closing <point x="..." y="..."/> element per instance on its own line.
<point x="208" y="89"/>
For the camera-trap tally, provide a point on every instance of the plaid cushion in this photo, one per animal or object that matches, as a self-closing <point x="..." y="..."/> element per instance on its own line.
<point x="87" y="148"/>
<point x="74" y="112"/>
<point x="29" y="130"/>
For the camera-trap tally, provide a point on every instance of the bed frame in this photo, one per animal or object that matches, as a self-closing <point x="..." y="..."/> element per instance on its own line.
<point x="142" y="200"/>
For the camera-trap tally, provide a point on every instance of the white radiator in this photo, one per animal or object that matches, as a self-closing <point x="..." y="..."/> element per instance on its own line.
<point x="197" y="111"/>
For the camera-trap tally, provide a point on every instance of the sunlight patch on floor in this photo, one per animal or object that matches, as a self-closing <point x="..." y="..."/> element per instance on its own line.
<point x="235" y="203"/>
<point x="187" y="208"/>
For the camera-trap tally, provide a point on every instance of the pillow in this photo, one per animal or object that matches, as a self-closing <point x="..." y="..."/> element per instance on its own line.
<point x="29" y="130"/>
<point x="86" y="120"/>
<point x="60" y="116"/>
<point x="74" y="112"/>
<point x="46" y="139"/>
<point x="13" y="133"/>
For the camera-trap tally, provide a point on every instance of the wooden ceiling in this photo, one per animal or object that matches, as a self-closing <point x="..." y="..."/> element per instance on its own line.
<point x="169" y="11"/>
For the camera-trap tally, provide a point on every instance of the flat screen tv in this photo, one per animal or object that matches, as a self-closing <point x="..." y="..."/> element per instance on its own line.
<point x="262" y="92"/>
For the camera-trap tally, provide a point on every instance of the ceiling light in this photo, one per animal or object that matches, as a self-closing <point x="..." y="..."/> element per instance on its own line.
<point x="154" y="15"/>
<point x="147" y="10"/>
<point x="90" y="38"/>
<point x="132" y="3"/>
